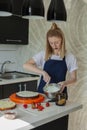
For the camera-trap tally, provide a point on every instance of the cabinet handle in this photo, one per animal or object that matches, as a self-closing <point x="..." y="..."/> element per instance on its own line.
<point x="25" y="87"/>
<point x="20" y="87"/>
<point x="13" y="40"/>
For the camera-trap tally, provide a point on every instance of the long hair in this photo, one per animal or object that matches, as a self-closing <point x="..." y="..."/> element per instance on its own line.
<point x="57" y="32"/>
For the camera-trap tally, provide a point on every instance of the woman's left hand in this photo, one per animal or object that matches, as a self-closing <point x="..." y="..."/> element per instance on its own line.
<point x="62" y="85"/>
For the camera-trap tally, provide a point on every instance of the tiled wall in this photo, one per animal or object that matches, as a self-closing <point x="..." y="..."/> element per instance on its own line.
<point x="8" y="53"/>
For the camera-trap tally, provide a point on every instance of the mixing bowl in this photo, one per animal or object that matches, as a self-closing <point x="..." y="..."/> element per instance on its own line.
<point x="51" y="90"/>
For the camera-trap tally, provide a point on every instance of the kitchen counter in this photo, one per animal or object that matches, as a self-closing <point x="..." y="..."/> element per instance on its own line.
<point x="39" y="118"/>
<point x="17" y="80"/>
<point x="10" y="81"/>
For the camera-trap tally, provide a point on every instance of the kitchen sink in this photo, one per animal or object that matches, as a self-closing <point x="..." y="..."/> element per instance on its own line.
<point x="14" y="75"/>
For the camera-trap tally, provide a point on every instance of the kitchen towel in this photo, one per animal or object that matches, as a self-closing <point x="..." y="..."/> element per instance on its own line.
<point x="13" y="124"/>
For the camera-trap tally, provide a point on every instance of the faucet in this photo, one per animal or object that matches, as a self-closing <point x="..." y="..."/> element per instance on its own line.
<point x="3" y="64"/>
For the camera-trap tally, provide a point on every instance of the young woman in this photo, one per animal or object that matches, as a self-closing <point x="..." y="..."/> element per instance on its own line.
<point x="53" y="63"/>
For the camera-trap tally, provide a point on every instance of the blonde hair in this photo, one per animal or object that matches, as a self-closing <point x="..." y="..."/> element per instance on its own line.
<point x="57" y="32"/>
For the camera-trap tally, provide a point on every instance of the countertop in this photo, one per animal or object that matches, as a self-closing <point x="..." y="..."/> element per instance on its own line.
<point x="17" y="80"/>
<point x="37" y="118"/>
<point x="10" y="81"/>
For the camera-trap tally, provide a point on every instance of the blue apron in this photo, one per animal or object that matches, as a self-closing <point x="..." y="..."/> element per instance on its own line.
<point x="57" y="69"/>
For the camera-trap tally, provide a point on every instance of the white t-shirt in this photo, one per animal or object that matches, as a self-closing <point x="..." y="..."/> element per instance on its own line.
<point x="70" y="59"/>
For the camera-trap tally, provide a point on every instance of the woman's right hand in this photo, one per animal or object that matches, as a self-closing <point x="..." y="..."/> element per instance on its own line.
<point x="46" y="77"/>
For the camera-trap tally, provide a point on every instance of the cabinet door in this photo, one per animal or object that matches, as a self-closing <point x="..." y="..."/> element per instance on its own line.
<point x="30" y="85"/>
<point x="13" y="29"/>
<point x="18" y="30"/>
<point x="9" y="89"/>
<point x="13" y="88"/>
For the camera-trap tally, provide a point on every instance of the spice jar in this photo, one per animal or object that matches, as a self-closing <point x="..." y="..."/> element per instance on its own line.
<point x="60" y="99"/>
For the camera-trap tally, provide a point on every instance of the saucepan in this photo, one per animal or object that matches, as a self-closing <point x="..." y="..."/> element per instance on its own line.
<point x="51" y="90"/>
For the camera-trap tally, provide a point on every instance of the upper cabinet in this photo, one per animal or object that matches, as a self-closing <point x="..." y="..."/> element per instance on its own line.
<point x="14" y="29"/>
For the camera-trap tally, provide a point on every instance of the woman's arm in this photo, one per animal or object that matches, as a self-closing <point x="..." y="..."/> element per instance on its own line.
<point x="72" y="80"/>
<point x="30" y="65"/>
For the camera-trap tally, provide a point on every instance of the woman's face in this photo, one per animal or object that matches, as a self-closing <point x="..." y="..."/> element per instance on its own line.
<point x="55" y="43"/>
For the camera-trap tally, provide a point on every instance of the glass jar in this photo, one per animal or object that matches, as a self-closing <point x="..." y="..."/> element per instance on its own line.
<point x="61" y="99"/>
